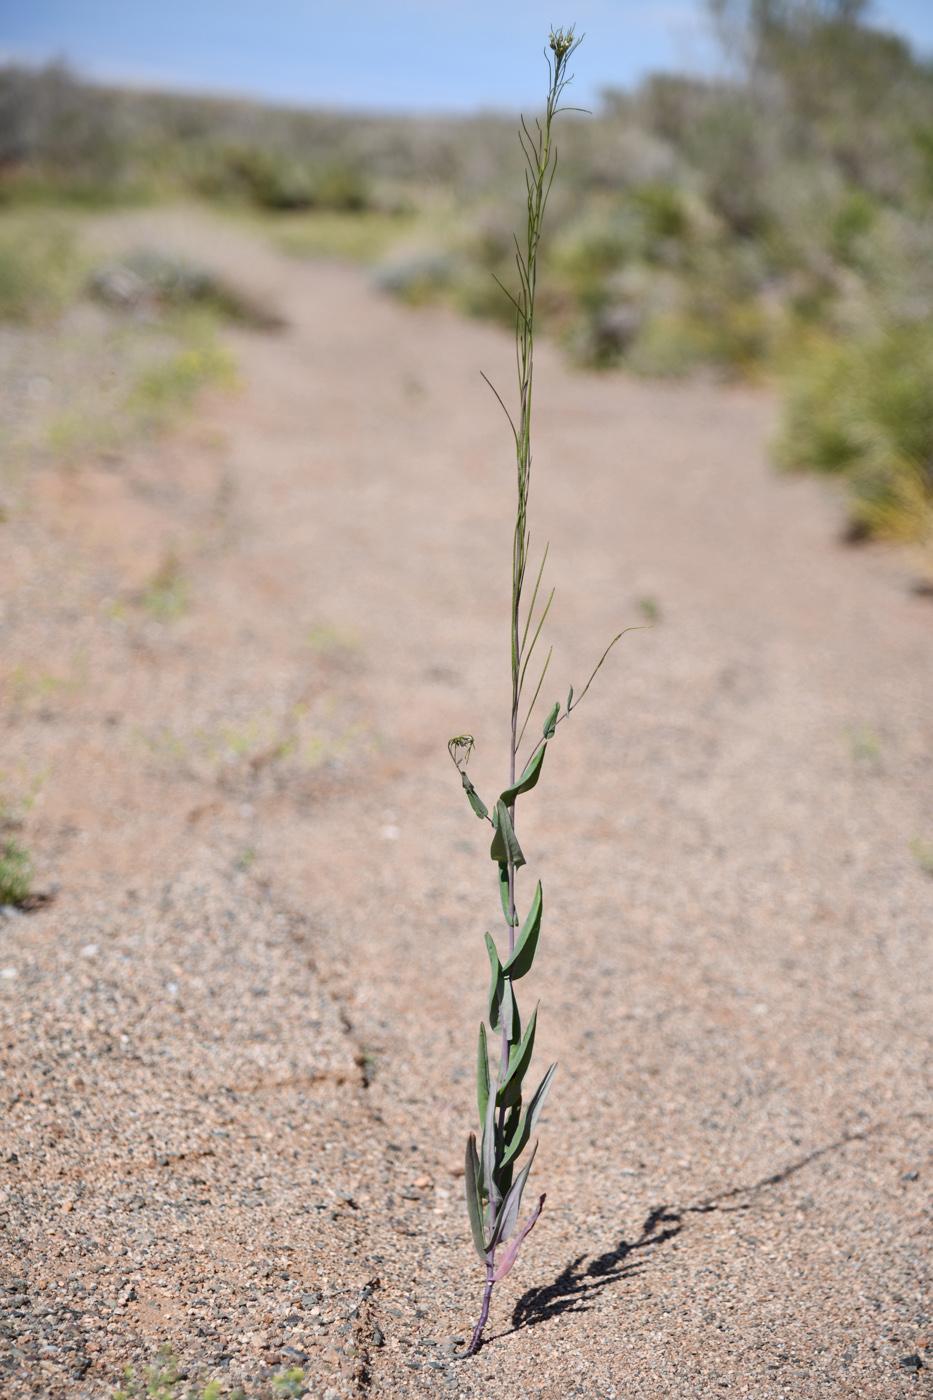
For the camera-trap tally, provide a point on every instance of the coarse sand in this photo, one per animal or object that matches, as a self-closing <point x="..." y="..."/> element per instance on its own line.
<point x="238" y="1039"/>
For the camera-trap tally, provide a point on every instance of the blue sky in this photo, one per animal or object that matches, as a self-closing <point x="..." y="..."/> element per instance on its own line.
<point x="415" y="55"/>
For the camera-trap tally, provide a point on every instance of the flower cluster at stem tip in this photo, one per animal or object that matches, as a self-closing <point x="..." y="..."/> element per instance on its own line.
<point x="561" y="42"/>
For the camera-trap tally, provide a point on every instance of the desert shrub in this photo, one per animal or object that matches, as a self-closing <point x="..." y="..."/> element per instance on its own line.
<point x="262" y="177"/>
<point x="364" y="237"/>
<point x="279" y="180"/>
<point x="151" y="280"/>
<point x="38" y="269"/>
<point x="863" y="411"/>
<point x="418" y="276"/>
<point x="699" y="222"/>
<point x="66" y="140"/>
<point x="340" y="187"/>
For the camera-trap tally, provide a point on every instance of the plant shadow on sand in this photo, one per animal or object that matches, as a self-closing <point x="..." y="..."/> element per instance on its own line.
<point x="575" y="1285"/>
<point x="578" y="1282"/>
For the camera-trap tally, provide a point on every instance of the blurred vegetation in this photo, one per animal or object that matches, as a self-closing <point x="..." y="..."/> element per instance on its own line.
<point x="865" y="409"/>
<point x="15" y="872"/>
<point x="99" y="354"/>
<point x="39" y="269"/>
<point x="772" y="222"/>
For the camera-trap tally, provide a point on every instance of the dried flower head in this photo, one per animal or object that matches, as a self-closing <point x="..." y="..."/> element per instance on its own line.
<point x="460" y="748"/>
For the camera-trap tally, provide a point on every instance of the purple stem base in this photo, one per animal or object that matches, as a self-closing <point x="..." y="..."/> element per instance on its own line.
<point x="477" y="1337"/>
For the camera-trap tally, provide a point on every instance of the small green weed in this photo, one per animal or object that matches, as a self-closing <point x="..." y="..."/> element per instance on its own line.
<point x="15" y="872"/>
<point x="167" y="595"/>
<point x="864" y="744"/>
<point x="650" y="608"/>
<point x="19" y="793"/>
<point x="128" y="378"/>
<point x="333" y="643"/>
<point x="922" y="852"/>
<point x="164" y="1382"/>
<point x="171" y="387"/>
<point x="79" y="430"/>
<point x="252" y="745"/>
<point x="25" y="687"/>
<point x="245" y="859"/>
<point x="288" y="1383"/>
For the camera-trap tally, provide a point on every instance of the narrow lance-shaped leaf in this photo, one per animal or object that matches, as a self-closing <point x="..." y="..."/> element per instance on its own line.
<point x="496" y="986"/>
<point x="534" y="596"/>
<point x="505" y="845"/>
<point x="534" y="699"/>
<point x="550" y="724"/>
<point x="511" y="1252"/>
<point x="511" y="1022"/>
<point x="569" y="699"/>
<point x="510" y="1128"/>
<point x="488" y="1156"/>
<point x="475" y="801"/>
<point x="509" y="1012"/>
<point x="521" y="960"/>
<point x="482" y="1073"/>
<point x="519" y="1060"/>
<point x="528" y="778"/>
<point x="526" y="1127"/>
<point x="507" y="1218"/>
<point x="474" y="1210"/>
<point x="504" y="892"/>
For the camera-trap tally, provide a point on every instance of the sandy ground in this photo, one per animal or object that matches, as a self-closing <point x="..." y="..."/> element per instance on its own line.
<point x="238" y="1044"/>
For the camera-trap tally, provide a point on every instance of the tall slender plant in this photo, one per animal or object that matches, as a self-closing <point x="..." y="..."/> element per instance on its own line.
<point x="494" y="1181"/>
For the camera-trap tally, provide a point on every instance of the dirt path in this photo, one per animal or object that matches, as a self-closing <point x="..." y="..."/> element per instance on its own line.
<point x="239" y="1043"/>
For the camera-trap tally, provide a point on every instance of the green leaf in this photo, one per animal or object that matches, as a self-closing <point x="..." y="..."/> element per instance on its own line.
<point x="474" y="1208"/>
<point x="505" y="845"/>
<point x="504" y="892"/>
<point x="496" y="987"/>
<point x="498" y="849"/>
<point x="550" y="724"/>
<point x="526" y="1127"/>
<point x="508" y="1216"/>
<point x="526" y="947"/>
<point x="488" y="1187"/>
<point x="479" y="807"/>
<point x="510" y="1128"/>
<point x="512" y="1023"/>
<point x="527" y="780"/>
<point x="569" y="699"/>
<point x="510" y="1091"/>
<point x="482" y="1073"/>
<point x="509" y="1011"/>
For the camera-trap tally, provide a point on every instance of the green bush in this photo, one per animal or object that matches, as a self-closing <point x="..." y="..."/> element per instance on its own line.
<point x="274" y="179"/>
<point x="38" y="269"/>
<point x="152" y="280"/>
<point x="863" y="410"/>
